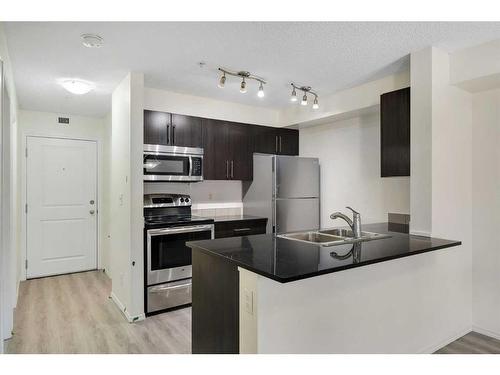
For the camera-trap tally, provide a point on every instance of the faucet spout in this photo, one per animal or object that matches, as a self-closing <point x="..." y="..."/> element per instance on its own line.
<point x="355" y="223"/>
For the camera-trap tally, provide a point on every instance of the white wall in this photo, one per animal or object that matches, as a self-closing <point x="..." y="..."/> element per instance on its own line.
<point x="486" y="212"/>
<point x="349" y="153"/>
<point x="346" y="101"/>
<point x="126" y="197"/>
<point x="80" y="127"/>
<point x="8" y="160"/>
<point x="168" y="101"/>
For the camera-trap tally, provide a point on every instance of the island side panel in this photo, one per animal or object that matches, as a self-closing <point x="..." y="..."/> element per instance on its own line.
<point x="215" y="306"/>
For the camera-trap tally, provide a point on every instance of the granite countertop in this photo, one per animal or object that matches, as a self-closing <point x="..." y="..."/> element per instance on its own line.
<point x="286" y="260"/>
<point x="237" y="218"/>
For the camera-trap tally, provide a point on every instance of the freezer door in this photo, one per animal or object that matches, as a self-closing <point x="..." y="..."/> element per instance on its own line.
<point x="292" y="215"/>
<point x="296" y="177"/>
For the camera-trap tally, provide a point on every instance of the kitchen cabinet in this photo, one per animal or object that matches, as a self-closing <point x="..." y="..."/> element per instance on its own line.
<point x="162" y="128"/>
<point x="395" y="133"/>
<point x="238" y="228"/>
<point x="227" y="151"/>
<point x="276" y="140"/>
<point x="156" y="127"/>
<point x="186" y="131"/>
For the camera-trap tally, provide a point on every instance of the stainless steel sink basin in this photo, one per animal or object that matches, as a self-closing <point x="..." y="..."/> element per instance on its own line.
<point x="315" y="237"/>
<point x="332" y="237"/>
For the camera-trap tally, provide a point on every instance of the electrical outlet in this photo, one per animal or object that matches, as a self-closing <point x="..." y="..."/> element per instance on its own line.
<point x="120" y="199"/>
<point x="248" y="300"/>
<point x="210" y="196"/>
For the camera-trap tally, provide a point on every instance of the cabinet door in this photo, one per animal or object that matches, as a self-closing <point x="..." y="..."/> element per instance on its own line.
<point x="266" y="139"/>
<point x="156" y="127"/>
<point x="288" y="142"/>
<point x="395" y="133"/>
<point x="239" y="144"/>
<point x="215" y="157"/>
<point x="186" y="131"/>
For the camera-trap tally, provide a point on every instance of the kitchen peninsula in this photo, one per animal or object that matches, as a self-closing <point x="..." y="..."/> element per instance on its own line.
<point x="267" y="294"/>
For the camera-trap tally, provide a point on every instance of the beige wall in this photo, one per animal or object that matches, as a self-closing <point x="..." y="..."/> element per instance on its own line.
<point x="349" y="153"/>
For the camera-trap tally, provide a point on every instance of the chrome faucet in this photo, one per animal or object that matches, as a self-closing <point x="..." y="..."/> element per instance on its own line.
<point x="355" y="223"/>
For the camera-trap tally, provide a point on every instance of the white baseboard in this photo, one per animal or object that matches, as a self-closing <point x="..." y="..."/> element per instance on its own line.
<point x="123" y="309"/>
<point x="433" y="348"/>
<point x="486" y="332"/>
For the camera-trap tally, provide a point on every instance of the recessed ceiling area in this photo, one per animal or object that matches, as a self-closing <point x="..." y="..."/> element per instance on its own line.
<point x="329" y="56"/>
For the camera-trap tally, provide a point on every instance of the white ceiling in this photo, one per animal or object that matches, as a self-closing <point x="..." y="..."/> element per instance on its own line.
<point x="329" y="56"/>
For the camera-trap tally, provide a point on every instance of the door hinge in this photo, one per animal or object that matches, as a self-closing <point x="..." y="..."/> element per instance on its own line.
<point x="26" y="264"/>
<point x="26" y="208"/>
<point x="26" y="151"/>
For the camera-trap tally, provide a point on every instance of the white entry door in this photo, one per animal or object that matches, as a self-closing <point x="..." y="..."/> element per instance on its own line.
<point x="61" y="192"/>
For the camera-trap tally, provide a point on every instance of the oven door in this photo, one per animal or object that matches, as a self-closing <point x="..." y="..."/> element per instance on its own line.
<point x="168" y="256"/>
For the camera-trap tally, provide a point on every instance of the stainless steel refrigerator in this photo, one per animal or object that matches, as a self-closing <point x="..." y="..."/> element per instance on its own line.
<point x="285" y="189"/>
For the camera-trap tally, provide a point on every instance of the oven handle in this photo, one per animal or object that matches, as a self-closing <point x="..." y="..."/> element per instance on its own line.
<point x="194" y="228"/>
<point x="159" y="289"/>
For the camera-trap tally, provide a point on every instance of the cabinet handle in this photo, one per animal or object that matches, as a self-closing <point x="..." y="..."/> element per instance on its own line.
<point x="227" y="169"/>
<point x="280" y="144"/>
<point x="168" y="134"/>
<point x="232" y="169"/>
<point x="242" y="229"/>
<point x="276" y="138"/>
<point x="173" y="134"/>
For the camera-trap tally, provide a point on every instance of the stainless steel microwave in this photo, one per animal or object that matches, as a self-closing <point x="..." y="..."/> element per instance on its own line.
<point x="172" y="163"/>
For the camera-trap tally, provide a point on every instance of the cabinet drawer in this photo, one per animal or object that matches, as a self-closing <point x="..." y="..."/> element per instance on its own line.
<point x="240" y="228"/>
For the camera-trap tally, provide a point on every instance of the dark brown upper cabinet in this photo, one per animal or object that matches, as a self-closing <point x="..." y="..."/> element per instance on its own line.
<point x="395" y="133"/>
<point x="186" y="131"/>
<point x="227" y="150"/>
<point x="157" y="127"/>
<point x="277" y="141"/>
<point x="161" y="128"/>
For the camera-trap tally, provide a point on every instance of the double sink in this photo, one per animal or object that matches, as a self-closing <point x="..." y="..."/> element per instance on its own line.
<point x="332" y="237"/>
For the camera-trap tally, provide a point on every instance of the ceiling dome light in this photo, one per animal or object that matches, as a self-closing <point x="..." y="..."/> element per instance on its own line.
<point x="260" y="94"/>
<point x="92" y="40"/>
<point x="315" y="103"/>
<point x="304" y="100"/>
<point x="293" y="98"/>
<point x="76" y="86"/>
<point x="243" y="86"/>
<point x="222" y="81"/>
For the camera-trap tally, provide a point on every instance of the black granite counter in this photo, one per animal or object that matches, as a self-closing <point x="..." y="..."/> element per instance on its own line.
<point x="222" y="219"/>
<point x="286" y="260"/>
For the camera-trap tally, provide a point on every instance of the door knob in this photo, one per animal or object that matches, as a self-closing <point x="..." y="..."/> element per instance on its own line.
<point x="92" y="212"/>
<point x="91" y="201"/>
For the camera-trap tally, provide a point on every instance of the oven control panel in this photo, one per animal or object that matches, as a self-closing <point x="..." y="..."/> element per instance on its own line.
<point x="166" y="200"/>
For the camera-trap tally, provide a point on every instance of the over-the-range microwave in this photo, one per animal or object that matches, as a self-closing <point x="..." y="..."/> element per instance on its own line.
<point x="173" y="163"/>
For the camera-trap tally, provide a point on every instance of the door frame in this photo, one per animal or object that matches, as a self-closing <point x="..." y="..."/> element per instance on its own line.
<point x="24" y="194"/>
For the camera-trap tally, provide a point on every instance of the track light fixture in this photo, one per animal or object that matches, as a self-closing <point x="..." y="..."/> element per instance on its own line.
<point x="244" y="75"/>
<point x="306" y="90"/>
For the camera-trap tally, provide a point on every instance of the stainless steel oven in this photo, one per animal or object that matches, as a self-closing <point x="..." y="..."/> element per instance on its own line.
<point x="172" y="163"/>
<point x="168" y="256"/>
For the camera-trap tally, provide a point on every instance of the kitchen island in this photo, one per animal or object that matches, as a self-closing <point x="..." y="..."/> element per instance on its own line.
<point x="266" y="294"/>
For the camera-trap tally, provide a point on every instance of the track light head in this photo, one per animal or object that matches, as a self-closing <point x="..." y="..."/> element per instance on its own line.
<point x="222" y="80"/>
<point x="304" y="100"/>
<point x="315" y="103"/>
<point x="243" y="86"/>
<point x="293" y="98"/>
<point x="260" y="93"/>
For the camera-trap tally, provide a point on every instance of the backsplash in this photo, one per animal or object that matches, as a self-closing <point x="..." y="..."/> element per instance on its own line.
<point x="210" y="198"/>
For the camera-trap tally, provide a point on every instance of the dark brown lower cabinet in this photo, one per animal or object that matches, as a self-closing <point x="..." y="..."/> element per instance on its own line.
<point x="239" y="228"/>
<point x="215" y="305"/>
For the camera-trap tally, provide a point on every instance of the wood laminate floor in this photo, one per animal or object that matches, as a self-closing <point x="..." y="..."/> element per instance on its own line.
<point x="74" y="314"/>
<point x="472" y="343"/>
